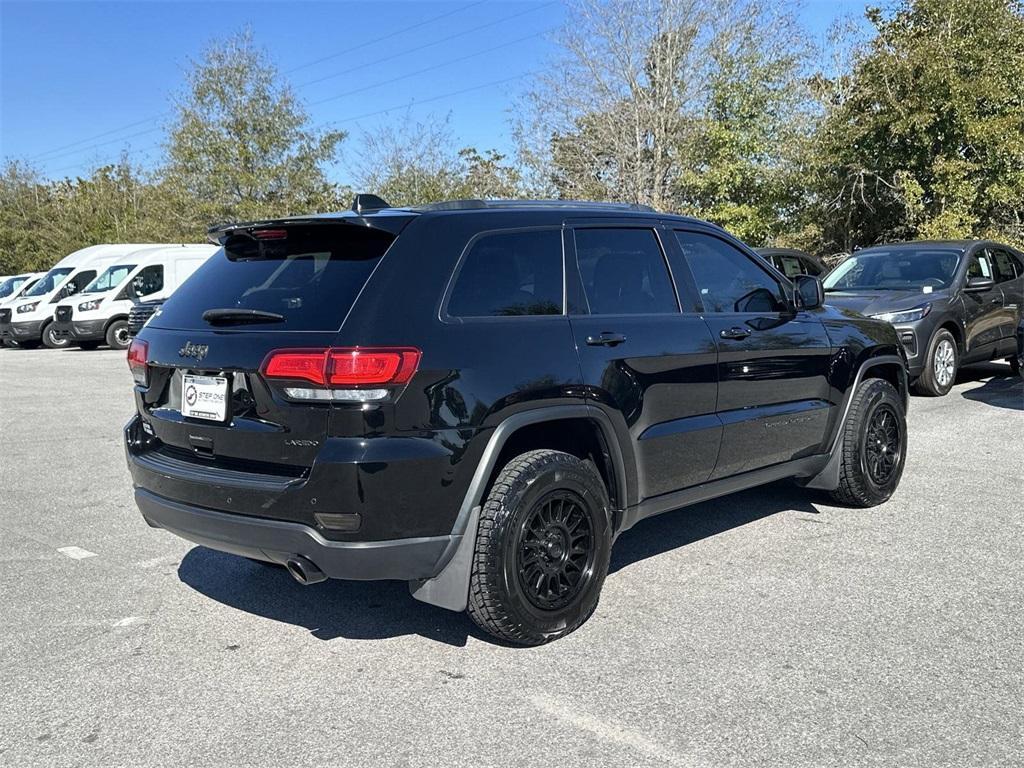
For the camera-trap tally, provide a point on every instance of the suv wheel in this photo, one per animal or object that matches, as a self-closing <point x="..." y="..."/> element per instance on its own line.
<point x="52" y="341"/>
<point x="542" y="548"/>
<point x="941" y="365"/>
<point x="874" y="448"/>
<point x="117" y="335"/>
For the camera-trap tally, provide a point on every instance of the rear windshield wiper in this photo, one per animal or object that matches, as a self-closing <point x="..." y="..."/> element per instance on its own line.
<point x="237" y="316"/>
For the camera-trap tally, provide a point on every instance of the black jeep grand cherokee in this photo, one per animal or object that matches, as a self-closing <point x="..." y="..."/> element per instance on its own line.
<point x="479" y="397"/>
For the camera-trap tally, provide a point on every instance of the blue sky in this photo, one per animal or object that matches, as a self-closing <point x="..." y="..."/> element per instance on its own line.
<point x="82" y="81"/>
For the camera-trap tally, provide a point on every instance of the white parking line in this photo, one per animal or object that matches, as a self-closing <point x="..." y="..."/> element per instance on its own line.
<point x="76" y="553"/>
<point x="612" y="732"/>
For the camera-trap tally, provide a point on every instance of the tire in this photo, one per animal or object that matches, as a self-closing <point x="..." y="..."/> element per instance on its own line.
<point x="89" y="345"/>
<point x="50" y="341"/>
<point x="117" y="335"/>
<point x="543" y="506"/>
<point x="869" y="474"/>
<point x="941" y="365"/>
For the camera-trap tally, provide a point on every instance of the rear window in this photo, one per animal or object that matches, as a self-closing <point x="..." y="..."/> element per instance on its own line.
<point x="510" y="273"/>
<point x="310" y="277"/>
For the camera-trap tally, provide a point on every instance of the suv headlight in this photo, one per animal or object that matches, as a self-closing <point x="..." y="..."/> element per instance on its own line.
<point x="905" y="315"/>
<point x="88" y="306"/>
<point x="27" y="307"/>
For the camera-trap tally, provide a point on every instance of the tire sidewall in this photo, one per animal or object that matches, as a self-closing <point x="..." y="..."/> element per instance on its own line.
<point x="520" y="501"/>
<point x="929" y="372"/>
<point x="877" y="397"/>
<point x="51" y="343"/>
<point x="111" y="335"/>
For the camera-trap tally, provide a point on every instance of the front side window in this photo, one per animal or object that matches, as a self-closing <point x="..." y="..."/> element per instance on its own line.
<point x="149" y="280"/>
<point x="508" y="274"/>
<point x="624" y="272"/>
<point x="979" y="266"/>
<point x="75" y="285"/>
<point x="110" y="278"/>
<point x="1004" y="264"/>
<point x="727" y="279"/>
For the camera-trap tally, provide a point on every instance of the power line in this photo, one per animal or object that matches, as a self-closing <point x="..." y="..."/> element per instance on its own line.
<point x="144" y="121"/>
<point x="388" y="36"/>
<point x="354" y="118"/>
<point x="427" y="69"/>
<point x="427" y="45"/>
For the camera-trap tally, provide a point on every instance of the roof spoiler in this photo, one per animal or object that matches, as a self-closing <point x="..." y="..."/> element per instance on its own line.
<point x="363" y="203"/>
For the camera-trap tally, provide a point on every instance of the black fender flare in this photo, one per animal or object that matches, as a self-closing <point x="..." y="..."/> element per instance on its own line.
<point x="828" y="478"/>
<point x="450" y="587"/>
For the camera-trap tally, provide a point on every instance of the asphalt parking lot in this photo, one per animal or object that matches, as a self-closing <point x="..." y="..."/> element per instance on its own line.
<point x="767" y="628"/>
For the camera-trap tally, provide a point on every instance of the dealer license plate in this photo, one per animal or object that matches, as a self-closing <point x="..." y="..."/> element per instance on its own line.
<point x="204" y="397"/>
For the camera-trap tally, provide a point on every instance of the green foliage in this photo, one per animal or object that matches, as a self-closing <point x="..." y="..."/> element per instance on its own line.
<point x="241" y="146"/>
<point x="928" y="139"/>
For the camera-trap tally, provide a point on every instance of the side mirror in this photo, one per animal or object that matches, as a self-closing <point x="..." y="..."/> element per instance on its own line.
<point x="810" y="293"/>
<point x="978" y="284"/>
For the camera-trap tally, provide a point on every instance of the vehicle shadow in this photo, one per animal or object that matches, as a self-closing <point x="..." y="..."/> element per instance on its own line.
<point x="375" y="610"/>
<point x="999" y="387"/>
<point x="672" y="530"/>
<point x="356" y="610"/>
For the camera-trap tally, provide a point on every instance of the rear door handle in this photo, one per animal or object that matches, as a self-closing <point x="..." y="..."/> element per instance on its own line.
<point x="734" y="333"/>
<point x="606" y="339"/>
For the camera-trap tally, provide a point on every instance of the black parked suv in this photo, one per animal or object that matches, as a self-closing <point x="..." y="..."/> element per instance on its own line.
<point x="479" y="397"/>
<point x="952" y="302"/>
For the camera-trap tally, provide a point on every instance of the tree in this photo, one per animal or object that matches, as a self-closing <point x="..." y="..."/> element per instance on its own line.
<point x="241" y="145"/>
<point x="410" y="162"/>
<point x="924" y="137"/>
<point x="686" y="105"/>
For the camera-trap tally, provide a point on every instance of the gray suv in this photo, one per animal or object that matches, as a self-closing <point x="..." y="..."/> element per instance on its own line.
<point x="951" y="302"/>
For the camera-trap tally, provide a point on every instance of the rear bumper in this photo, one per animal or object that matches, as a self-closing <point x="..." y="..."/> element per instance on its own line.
<point x="80" y="330"/>
<point x="277" y="541"/>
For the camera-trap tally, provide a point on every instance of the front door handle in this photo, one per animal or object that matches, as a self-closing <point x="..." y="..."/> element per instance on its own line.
<point x="606" y="339"/>
<point x="734" y="333"/>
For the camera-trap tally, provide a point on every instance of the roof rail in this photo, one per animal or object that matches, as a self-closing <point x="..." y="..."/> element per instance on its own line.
<point x="465" y="205"/>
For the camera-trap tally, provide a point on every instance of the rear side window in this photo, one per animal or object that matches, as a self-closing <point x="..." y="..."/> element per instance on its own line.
<point x="310" y="275"/>
<point x="508" y="274"/>
<point x="624" y="272"/>
<point x="791" y="266"/>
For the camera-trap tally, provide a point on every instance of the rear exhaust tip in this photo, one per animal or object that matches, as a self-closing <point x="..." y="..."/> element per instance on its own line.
<point x="304" y="570"/>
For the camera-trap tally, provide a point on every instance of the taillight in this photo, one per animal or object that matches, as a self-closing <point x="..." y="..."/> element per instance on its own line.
<point x="138" y="353"/>
<point x="343" y="373"/>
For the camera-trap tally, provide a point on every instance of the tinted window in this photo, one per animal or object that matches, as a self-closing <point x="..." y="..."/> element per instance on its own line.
<point x="311" y="277"/>
<point x="791" y="266"/>
<point x="727" y="279"/>
<point x="75" y="284"/>
<point x="149" y="280"/>
<point x="510" y="273"/>
<point x="1005" y="268"/>
<point x="624" y="272"/>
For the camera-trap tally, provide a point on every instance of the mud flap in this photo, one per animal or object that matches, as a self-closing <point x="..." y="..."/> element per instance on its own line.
<point x="450" y="588"/>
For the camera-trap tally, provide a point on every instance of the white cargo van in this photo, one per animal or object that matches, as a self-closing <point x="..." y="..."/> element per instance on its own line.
<point x="8" y="296"/>
<point x="32" y="314"/>
<point x="99" y="313"/>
